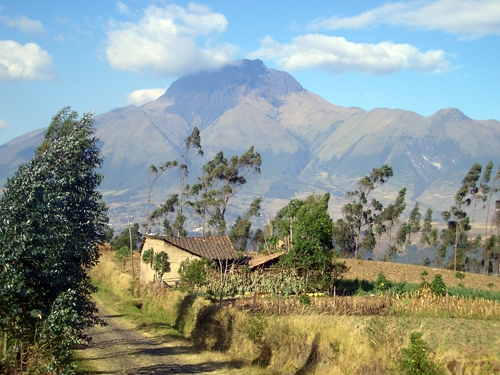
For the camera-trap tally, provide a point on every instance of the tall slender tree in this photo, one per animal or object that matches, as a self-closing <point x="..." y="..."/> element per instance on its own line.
<point x="359" y="213"/>
<point x="52" y="217"/>
<point x="492" y="190"/>
<point x="390" y="215"/>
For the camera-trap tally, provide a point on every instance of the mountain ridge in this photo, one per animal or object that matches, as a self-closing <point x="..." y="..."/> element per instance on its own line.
<point x="306" y="143"/>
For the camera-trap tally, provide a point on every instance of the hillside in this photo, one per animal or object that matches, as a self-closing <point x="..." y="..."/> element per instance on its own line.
<point x="398" y="272"/>
<point x="306" y="143"/>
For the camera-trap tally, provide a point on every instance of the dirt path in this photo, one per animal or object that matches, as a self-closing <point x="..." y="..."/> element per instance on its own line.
<point x="118" y="348"/>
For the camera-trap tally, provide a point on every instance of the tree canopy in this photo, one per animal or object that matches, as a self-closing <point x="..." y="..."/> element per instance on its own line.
<point x="52" y="218"/>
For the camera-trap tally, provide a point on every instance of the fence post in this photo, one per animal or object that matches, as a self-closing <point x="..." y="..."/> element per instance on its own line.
<point x="448" y="302"/>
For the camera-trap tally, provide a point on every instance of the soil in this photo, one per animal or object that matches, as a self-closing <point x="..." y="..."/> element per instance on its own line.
<point x="120" y="348"/>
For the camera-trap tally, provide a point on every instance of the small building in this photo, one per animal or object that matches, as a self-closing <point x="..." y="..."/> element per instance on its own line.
<point x="214" y="248"/>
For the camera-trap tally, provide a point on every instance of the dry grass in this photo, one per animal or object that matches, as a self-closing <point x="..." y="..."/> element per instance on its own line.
<point x="398" y="272"/>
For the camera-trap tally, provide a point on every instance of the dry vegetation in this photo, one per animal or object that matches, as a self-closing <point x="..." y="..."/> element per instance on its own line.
<point x="283" y="336"/>
<point x="397" y="272"/>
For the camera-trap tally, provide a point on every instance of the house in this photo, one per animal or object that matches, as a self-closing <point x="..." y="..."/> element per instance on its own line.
<point x="180" y="248"/>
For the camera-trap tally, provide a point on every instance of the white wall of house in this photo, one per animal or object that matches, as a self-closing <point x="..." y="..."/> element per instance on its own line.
<point x="175" y="257"/>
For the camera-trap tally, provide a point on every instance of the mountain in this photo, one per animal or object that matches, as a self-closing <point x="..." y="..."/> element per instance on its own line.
<point x="306" y="143"/>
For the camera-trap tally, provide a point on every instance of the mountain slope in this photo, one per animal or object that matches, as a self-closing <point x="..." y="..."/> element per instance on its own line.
<point x="306" y="143"/>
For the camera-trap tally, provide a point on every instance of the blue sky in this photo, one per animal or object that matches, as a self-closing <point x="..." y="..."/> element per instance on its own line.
<point x="98" y="55"/>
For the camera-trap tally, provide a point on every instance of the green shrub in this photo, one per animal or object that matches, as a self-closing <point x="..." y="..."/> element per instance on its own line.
<point x="416" y="358"/>
<point x="305" y="299"/>
<point x="148" y="256"/>
<point x="121" y="255"/>
<point x="381" y="284"/>
<point x="161" y="264"/>
<point x="438" y="286"/>
<point x="193" y="273"/>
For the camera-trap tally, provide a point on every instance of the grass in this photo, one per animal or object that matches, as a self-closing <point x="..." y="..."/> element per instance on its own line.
<point x="303" y="340"/>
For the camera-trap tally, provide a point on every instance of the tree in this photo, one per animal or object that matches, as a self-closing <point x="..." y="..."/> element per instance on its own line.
<point x="241" y="231"/>
<point x="156" y="172"/>
<point x="391" y="216"/>
<point x="359" y="212"/>
<point x="457" y="218"/>
<point x="123" y="238"/>
<point x="427" y="234"/>
<point x="193" y="141"/>
<point x="490" y="191"/>
<point x="221" y="180"/>
<point x="311" y="247"/>
<point x="407" y="229"/>
<point x="163" y="212"/>
<point x="52" y="217"/>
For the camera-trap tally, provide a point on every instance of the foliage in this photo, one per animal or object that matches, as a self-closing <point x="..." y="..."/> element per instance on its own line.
<point x="161" y="265"/>
<point x="438" y="286"/>
<point x="193" y="273"/>
<point x="123" y="239"/>
<point x="240" y="232"/>
<point x="52" y="216"/>
<point x="360" y="212"/>
<point x="416" y="359"/>
<point x="381" y="284"/>
<point x="221" y="180"/>
<point x="311" y="245"/>
<point x="121" y="255"/>
<point x="305" y="300"/>
<point x="148" y="256"/>
<point x="457" y="218"/>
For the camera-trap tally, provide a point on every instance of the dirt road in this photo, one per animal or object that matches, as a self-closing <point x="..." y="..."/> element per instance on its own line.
<point x="119" y="348"/>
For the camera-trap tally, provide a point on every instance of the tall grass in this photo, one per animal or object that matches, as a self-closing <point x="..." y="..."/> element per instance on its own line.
<point x="348" y="335"/>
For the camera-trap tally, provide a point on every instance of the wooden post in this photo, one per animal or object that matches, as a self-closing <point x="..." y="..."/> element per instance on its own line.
<point x="131" y="251"/>
<point x="448" y="302"/>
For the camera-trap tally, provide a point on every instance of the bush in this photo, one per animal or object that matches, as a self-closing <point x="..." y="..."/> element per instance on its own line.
<point x="416" y="359"/>
<point x="438" y="286"/>
<point x="161" y="264"/>
<point x="381" y="284"/>
<point x="193" y="273"/>
<point x="148" y="256"/>
<point x="121" y="255"/>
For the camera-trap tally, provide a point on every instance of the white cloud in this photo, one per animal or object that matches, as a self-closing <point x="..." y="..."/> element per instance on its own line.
<point x="139" y="97"/>
<point x="337" y="55"/>
<point x="3" y="124"/>
<point x="24" y="62"/>
<point x="164" y="40"/>
<point x="122" y="8"/>
<point x="24" y="24"/>
<point x="472" y="18"/>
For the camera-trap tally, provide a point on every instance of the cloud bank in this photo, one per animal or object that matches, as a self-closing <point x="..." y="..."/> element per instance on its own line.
<point x="336" y="55"/>
<point x="165" y="41"/>
<point x="139" y="97"/>
<point x="471" y="18"/>
<point x="27" y="62"/>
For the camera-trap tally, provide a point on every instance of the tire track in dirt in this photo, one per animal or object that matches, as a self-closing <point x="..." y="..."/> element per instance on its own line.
<point x="118" y="348"/>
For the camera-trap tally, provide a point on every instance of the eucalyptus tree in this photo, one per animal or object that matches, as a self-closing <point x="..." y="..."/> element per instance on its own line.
<point x="428" y="236"/>
<point x="52" y="217"/>
<point x="153" y="174"/>
<point x="490" y="190"/>
<point x="221" y="180"/>
<point x="390" y="215"/>
<point x="241" y="231"/>
<point x="405" y="232"/>
<point x="359" y="213"/>
<point x="457" y="218"/>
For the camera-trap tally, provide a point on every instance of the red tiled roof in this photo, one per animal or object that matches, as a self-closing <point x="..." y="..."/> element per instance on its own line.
<point x="213" y="247"/>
